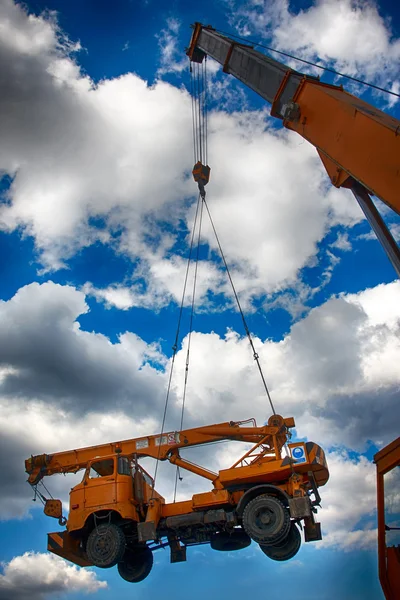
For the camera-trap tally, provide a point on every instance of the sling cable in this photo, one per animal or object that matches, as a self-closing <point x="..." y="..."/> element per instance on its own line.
<point x="201" y="175"/>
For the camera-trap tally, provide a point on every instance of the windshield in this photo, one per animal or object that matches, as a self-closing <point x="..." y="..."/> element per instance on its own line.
<point x="101" y="468"/>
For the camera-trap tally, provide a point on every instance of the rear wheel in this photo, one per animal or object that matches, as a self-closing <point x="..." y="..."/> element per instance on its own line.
<point x="228" y="542"/>
<point x="287" y="549"/>
<point x="266" y="520"/>
<point x="136" y="565"/>
<point x="105" y="545"/>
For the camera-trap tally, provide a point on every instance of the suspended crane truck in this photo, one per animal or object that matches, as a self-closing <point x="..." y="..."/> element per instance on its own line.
<point x="117" y="517"/>
<point x="359" y="146"/>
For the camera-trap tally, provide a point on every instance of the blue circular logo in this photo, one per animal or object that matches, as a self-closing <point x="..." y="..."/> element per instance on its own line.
<point x="298" y="452"/>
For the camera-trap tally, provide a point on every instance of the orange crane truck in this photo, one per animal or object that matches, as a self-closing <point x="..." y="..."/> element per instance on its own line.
<point x="116" y="517"/>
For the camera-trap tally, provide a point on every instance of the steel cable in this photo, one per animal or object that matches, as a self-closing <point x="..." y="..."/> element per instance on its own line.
<point x="175" y="346"/>
<point x="255" y="355"/>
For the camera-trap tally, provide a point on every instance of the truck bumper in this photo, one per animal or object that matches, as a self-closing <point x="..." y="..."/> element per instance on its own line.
<point x="62" y="544"/>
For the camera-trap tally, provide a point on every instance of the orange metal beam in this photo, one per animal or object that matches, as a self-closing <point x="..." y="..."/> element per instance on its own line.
<point x="388" y="558"/>
<point x="353" y="138"/>
<point x="155" y="446"/>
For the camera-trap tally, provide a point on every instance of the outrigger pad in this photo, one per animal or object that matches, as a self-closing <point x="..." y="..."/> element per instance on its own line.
<point x="178" y="554"/>
<point x="312" y="531"/>
<point x="146" y="531"/>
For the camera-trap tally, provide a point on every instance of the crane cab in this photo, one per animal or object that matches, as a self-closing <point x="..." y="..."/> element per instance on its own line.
<point x="110" y="483"/>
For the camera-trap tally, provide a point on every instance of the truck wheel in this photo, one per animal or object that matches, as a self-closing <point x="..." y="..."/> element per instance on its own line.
<point x="105" y="545"/>
<point x="136" y="565"/>
<point x="228" y="542"/>
<point x="266" y="520"/>
<point x="286" y="549"/>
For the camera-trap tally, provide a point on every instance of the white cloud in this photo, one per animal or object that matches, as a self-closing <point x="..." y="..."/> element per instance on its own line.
<point x="45" y="344"/>
<point x="342" y="242"/>
<point x="172" y="58"/>
<point x="349" y="495"/>
<point x="76" y="150"/>
<point x="394" y="229"/>
<point x="165" y="279"/>
<point x="35" y="576"/>
<point x="351" y="35"/>
<point x="269" y="218"/>
<point x="328" y="371"/>
<point x="88" y="168"/>
<point x="336" y="372"/>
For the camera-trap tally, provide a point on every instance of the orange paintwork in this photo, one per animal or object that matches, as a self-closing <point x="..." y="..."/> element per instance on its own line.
<point x="388" y="557"/>
<point x="72" y="461"/>
<point x="114" y="481"/>
<point x="211" y="499"/>
<point x="103" y="493"/>
<point x="353" y="138"/>
<point x="64" y="545"/>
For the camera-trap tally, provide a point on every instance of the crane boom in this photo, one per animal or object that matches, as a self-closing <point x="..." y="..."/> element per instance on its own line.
<point x="160" y="447"/>
<point x="359" y="145"/>
<point x="353" y="138"/>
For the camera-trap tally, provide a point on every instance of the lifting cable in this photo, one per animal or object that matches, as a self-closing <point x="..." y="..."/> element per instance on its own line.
<point x="189" y="338"/>
<point x="175" y="346"/>
<point x="201" y="174"/>
<point x="249" y="336"/>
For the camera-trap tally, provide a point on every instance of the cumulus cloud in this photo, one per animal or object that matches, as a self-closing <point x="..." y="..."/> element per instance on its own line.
<point x="349" y="496"/>
<point x="329" y="30"/>
<point x="75" y="150"/>
<point x="52" y="357"/>
<point x="35" y="576"/>
<point x="86" y="167"/>
<point x="269" y="219"/>
<point x="336" y="372"/>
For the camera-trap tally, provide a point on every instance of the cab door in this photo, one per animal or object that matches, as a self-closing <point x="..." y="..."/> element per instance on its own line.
<point x="100" y="487"/>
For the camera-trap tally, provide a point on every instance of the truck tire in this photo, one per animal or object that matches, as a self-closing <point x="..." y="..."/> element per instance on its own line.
<point x="228" y="542"/>
<point x="105" y="545"/>
<point x="266" y="520"/>
<point x="136" y="565"/>
<point x="286" y="549"/>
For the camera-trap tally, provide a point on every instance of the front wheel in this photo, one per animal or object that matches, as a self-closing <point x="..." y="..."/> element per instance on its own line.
<point x="136" y="565"/>
<point x="105" y="545"/>
<point x="266" y="520"/>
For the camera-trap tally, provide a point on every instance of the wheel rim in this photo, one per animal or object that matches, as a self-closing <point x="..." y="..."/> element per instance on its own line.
<point x="265" y="520"/>
<point x="103" y="546"/>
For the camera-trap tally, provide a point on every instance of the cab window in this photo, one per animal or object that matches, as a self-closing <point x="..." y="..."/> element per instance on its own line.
<point x="101" y="468"/>
<point x="123" y="466"/>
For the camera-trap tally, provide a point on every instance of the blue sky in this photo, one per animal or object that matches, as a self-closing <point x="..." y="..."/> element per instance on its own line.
<point x="97" y="207"/>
